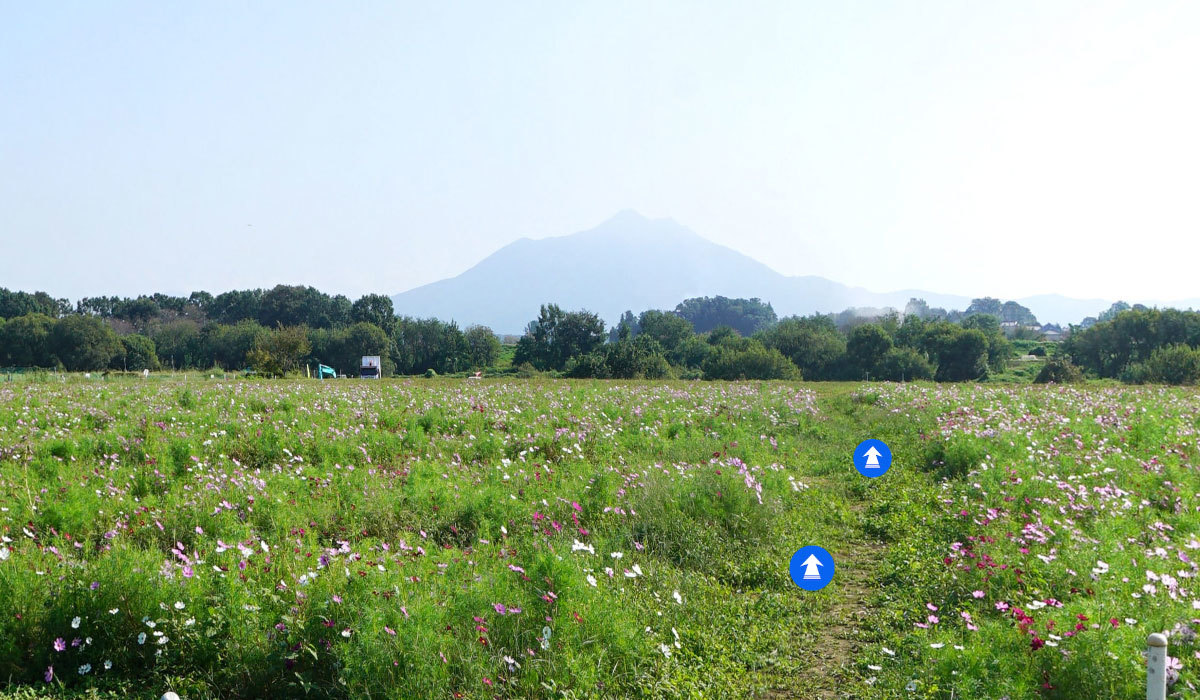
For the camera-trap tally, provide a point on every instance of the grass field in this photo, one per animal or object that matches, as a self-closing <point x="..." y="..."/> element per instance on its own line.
<point x="562" y="539"/>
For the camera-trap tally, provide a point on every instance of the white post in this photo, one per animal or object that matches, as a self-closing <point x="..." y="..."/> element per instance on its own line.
<point x="1156" y="667"/>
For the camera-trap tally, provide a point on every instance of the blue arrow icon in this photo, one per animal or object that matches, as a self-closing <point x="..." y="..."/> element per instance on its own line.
<point x="872" y="458"/>
<point x="811" y="568"/>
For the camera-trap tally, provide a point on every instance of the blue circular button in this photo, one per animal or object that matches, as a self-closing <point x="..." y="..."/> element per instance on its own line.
<point x="811" y="567"/>
<point x="872" y="458"/>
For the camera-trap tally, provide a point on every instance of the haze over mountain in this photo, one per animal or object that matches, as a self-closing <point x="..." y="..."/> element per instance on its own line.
<point x="632" y="262"/>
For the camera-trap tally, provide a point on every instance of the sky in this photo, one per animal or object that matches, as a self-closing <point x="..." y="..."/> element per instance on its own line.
<point x="1005" y="149"/>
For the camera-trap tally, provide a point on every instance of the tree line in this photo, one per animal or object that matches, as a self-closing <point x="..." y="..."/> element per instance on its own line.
<point x="719" y="338"/>
<point x="274" y="331"/>
<point x="1135" y="345"/>
<point x="279" y="330"/>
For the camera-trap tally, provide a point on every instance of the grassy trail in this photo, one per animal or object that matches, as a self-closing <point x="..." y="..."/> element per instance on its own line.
<point x="846" y="618"/>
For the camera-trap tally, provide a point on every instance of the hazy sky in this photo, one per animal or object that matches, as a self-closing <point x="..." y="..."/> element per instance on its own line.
<point x="1003" y="148"/>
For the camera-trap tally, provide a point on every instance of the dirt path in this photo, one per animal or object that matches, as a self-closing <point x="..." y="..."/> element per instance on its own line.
<point x="838" y="642"/>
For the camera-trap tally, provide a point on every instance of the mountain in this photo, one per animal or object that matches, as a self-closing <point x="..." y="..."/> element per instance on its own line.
<point x="631" y="262"/>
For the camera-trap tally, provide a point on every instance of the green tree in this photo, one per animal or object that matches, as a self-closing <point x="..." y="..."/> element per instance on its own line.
<point x="483" y="347"/>
<point x="986" y="305"/>
<point x="726" y="337"/>
<point x="964" y="357"/>
<point x="628" y="325"/>
<point x="340" y="313"/>
<point x="424" y="344"/>
<point x="866" y="347"/>
<point x="746" y="316"/>
<point x="13" y="304"/>
<point x="178" y="344"/>
<point x="904" y="365"/>
<point x="229" y="345"/>
<point x="556" y="336"/>
<point x="25" y="341"/>
<point x="376" y="309"/>
<point x="137" y="353"/>
<point x="593" y="365"/>
<point x="813" y="344"/>
<point x="1113" y="310"/>
<point x="1058" y="370"/>
<point x="999" y="349"/>
<point x="84" y="343"/>
<point x="1174" y="364"/>
<point x="281" y="351"/>
<point x="638" y="358"/>
<point x="668" y="329"/>
<point x="754" y="361"/>
<point x="235" y="306"/>
<point x="691" y="352"/>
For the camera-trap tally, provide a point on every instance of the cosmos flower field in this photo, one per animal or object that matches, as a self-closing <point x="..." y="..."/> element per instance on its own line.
<point x="564" y="539"/>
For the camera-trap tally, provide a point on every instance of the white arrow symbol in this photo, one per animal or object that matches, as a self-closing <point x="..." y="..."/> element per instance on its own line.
<point x="810" y="567"/>
<point x="872" y="456"/>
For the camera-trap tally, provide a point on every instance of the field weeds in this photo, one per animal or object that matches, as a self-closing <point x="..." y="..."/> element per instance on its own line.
<point x="418" y="538"/>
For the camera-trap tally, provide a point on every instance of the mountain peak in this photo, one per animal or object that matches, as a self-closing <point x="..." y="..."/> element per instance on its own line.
<point x="625" y="217"/>
<point x="634" y="262"/>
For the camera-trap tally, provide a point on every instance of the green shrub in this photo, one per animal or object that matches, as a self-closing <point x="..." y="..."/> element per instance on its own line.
<point x="754" y="362"/>
<point x="591" y="365"/>
<point x="1174" y="364"/>
<point x="904" y="364"/>
<point x="1058" y="370"/>
<point x="1136" y="373"/>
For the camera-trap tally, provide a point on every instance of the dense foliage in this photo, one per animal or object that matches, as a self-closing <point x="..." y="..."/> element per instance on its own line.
<point x="286" y="328"/>
<point x="746" y="316"/>
<point x="1139" y="345"/>
<point x="273" y="332"/>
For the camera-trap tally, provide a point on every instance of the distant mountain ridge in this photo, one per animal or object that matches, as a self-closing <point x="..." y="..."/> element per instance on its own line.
<point x="632" y="262"/>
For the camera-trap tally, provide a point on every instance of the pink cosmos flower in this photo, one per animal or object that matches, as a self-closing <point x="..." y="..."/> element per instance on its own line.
<point x="60" y="644"/>
<point x="977" y="594"/>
